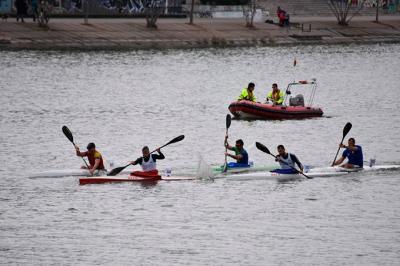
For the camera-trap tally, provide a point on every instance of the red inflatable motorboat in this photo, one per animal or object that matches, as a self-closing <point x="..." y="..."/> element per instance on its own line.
<point x="296" y="109"/>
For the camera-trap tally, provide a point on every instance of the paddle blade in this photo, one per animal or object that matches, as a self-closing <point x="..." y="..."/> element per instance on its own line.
<point x="177" y="139"/>
<point x="228" y="121"/>
<point x="346" y="129"/>
<point x="68" y="133"/>
<point x="262" y="148"/>
<point x="117" y="170"/>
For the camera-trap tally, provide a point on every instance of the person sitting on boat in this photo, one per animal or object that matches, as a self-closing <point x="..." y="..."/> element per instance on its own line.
<point x="240" y="155"/>
<point x="353" y="153"/>
<point x="248" y="93"/>
<point x="287" y="162"/>
<point x="95" y="158"/>
<point x="276" y="96"/>
<point x="148" y="161"/>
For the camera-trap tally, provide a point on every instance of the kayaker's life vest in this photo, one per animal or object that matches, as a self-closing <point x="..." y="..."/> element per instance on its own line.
<point x="284" y="163"/>
<point x="150" y="165"/>
<point x="276" y="97"/>
<point x="245" y="95"/>
<point x="245" y="156"/>
<point x="92" y="158"/>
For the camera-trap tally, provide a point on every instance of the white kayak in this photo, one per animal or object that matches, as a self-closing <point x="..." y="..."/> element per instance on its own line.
<point x="72" y="172"/>
<point x="313" y="172"/>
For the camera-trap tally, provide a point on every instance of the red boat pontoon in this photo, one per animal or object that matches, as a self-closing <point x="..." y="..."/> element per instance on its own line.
<point x="296" y="109"/>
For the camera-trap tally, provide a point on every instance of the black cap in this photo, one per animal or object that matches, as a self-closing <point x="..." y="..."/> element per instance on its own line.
<point x="91" y="146"/>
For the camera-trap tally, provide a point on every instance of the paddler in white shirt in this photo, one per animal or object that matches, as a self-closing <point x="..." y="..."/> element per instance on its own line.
<point x="287" y="162"/>
<point x="148" y="161"/>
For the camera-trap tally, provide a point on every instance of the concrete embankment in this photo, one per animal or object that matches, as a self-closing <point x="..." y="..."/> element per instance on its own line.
<point x="66" y="34"/>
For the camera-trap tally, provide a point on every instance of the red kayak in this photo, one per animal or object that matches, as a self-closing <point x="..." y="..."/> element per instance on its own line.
<point x="136" y="176"/>
<point x="293" y="107"/>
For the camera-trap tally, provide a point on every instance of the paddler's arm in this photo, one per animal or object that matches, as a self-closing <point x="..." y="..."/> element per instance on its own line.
<point x="137" y="161"/>
<point x="339" y="161"/>
<point x="296" y="161"/>
<point x="79" y="153"/>
<point x="158" y="156"/>
<point x="236" y="157"/>
<point x="226" y="144"/>
<point x="96" y="164"/>
<point x="353" y="148"/>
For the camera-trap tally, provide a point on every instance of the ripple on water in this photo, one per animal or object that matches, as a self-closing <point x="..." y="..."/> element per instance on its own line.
<point x="125" y="100"/>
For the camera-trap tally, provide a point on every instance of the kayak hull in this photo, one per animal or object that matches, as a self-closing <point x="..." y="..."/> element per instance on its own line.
<point x="130" y="178"/>
<point x="252" y="110"/>
<point x="230" y="170"/>
<point x="67" y="172"/>
<point x="314" y="172"/>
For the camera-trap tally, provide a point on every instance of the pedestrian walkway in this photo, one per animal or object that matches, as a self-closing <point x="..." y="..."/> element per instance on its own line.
<point x="177" y="33"/>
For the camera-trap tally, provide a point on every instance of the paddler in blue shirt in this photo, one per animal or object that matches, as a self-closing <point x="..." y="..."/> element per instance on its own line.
<point x="240" y="155"/>
<point x="148" y="161"/>
<point x="248" y="93"/>
<point x="287" y="162"/>
<point x="353" y="153"/>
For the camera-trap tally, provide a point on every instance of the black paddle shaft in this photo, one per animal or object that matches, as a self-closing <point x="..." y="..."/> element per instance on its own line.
<point x="70" y="137"/>
<point x="228" y="124"/>
<point x="346" y="130"/>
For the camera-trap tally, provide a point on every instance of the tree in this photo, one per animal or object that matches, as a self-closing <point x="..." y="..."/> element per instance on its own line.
<point x="342" y="9"/>
<point x="249" y="12"/>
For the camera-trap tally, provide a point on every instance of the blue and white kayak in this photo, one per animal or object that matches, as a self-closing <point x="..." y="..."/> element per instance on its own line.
<point x="240" y="168"/>
<point x="313" y="172"/>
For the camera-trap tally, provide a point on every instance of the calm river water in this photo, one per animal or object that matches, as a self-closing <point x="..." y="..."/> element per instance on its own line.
<point x="124" y="100"/>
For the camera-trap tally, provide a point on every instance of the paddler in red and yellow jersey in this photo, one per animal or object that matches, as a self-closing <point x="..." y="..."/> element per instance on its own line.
<point x="94" y="157"/>
<point x="276" y="95"/>
<point x="248" y="93"/>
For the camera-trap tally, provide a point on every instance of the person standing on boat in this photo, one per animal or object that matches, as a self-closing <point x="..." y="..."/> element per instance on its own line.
<point x="287" y="162"/>
<point x="248" y="93"/>
<point x="148" y="161"/>
<point x="353" y="153"/>
<point x="276" y="95"/>
<point x="240" y="155"/>
<point x="95" y="158"/>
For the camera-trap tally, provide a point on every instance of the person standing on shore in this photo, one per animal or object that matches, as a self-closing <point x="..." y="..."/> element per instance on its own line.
<point x="22" y="8"/>
<point x="34" y="7"/>
<point x="248" y="93"/>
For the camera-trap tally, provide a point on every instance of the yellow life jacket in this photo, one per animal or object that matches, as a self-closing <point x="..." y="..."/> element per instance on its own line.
<point x="245" y="95"/>
<point x="277" y="98"/>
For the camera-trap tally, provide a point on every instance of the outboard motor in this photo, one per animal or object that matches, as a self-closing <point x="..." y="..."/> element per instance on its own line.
<point x="297" y="101"/>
